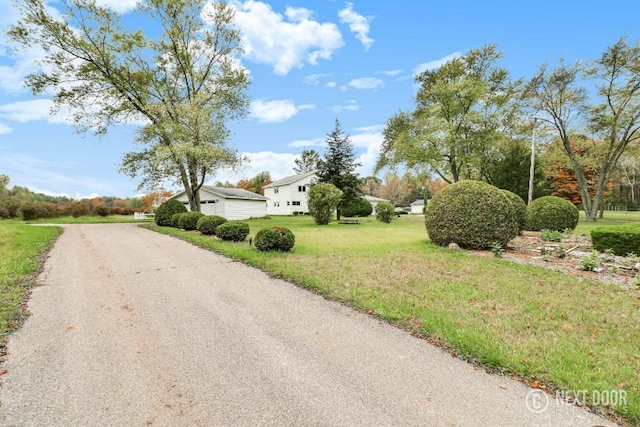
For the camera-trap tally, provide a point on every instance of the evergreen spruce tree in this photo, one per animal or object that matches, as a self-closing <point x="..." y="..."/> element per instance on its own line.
<point x="338" y="166"/>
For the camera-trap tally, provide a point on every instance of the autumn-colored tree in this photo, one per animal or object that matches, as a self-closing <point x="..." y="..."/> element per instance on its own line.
<point x="256" y="183"/>
<point x="436" y="185"/>
<point x="564" y="182"/>
<point x="152" y="200"/>
<point x="394" y="189"/>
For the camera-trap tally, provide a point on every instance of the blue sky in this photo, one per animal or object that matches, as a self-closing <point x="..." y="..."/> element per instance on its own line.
<point x="310" y="63"/>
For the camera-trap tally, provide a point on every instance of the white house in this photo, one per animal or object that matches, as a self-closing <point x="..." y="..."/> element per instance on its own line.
<point x="289" y="195"/>
<point x="230" y="203"/>
<point x="417" y="207"/>
<point x="374" y="202"/>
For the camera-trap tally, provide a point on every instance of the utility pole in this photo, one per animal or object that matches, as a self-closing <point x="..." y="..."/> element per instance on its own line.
<point x="533" y="160"/>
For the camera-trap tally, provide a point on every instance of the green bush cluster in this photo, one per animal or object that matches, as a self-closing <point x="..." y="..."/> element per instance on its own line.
<point x="385" y="212"/>
<point x="323" y="201"/>
<point x="519" y="206"/>
<point x="234" y="231"/>
<point x="278" y="239"/>
<point x="622" y="239"/>
<point x="102" y="211"/>
<point x="473" y="214"/>
<point x="35" y="210"/>
<point x="208" y="224"/>
<point x="166" y="210"/>
<point x="551" y="213"/>
<point x="189" y="221"/>
<point x="175" y="219"/>
<point x="357" y="207"/>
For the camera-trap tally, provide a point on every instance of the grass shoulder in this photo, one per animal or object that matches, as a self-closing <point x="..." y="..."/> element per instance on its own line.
<point x="22" y="250"/>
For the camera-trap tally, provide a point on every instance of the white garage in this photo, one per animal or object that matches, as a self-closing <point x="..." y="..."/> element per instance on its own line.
<point x="229" y="203"/>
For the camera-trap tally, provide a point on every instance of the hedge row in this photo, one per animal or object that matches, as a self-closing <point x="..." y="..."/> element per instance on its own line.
<point x="622" y="239"/>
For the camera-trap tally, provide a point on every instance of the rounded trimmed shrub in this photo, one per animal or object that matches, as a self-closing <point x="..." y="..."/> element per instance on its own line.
<point x="551" y="213"/>
<point x="175" y="219"/>
<point x="234" y="231"/>
<point x="472" y="214"/>
<point x="278" y="239"/>
<point x="519" y="206"/>
<point x="189" y="221"/>
<point x="166" y="210"/>
<point x="359" y="207"/>
<point x="208" y="224"/>
<point x="385" y="212"/>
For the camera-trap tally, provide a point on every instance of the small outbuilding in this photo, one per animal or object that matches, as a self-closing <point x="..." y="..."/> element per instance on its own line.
<point x="229" y="203"/>
<point x="417" y="207"/>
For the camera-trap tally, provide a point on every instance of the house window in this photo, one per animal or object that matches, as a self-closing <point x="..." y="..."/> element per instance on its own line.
<point x="288" y="203"/>
<point x="276" y="204"/>
<point x="276" y="190"/>
<point x="295" y="203"/>
<point x="302" y="188"/>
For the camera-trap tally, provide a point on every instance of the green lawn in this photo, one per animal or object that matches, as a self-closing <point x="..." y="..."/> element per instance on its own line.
<point x="610" y="218"/>
<point x="21" y="247"/>
<point x="539" y="325"/>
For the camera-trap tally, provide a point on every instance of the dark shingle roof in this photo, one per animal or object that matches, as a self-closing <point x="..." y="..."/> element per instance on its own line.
<point x="289" y="180"/>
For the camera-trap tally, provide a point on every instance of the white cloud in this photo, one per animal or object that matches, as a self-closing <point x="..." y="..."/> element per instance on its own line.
<point x="284" y="42"/>
<point x="433" y="65"/>
<point x="20" y="64"/>
<point x="365" y="83"/>
<point x="304" y="143"/>
<point x="121" y="6"/>
<point x="34" y="110"/>
<point x="370" y="138"/>
<point x="330" y="84"/>
<point x="358" y="24"/>
<point x="278" y="165"/>
<point x="5" y="130"/>
<point x="352" y="105"/>
<point x="276" y="111"/>
<point x="391" y="73"/>
<point x="39" y="176"/>
<point x="314" y="79"/>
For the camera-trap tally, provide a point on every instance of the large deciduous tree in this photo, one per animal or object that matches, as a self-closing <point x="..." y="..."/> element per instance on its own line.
<point x="338" y="166"/>
<point x="177" y="74"/>
<point x="610" y="113"/>
<point x="307" y="162"/>
<point x="462" y="109"/>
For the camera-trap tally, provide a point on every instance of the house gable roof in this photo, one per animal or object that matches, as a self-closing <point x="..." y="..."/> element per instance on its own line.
<point x="419" y="202"/>
<point x="229" y="193"/>
<point x="289" y="180"/>
<point x="374" y="199"/>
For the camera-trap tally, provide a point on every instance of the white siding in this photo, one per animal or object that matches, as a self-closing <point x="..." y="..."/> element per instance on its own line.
<point x="282" y="201"/>
<point x="235" y="209"/>
<point x="231" y="209"/>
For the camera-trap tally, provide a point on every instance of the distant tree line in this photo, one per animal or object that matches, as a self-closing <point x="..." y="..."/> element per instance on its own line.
<point x="20" y="202"/>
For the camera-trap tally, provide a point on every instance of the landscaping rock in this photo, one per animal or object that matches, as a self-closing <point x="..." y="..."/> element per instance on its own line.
<point x="454" y="246"/>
